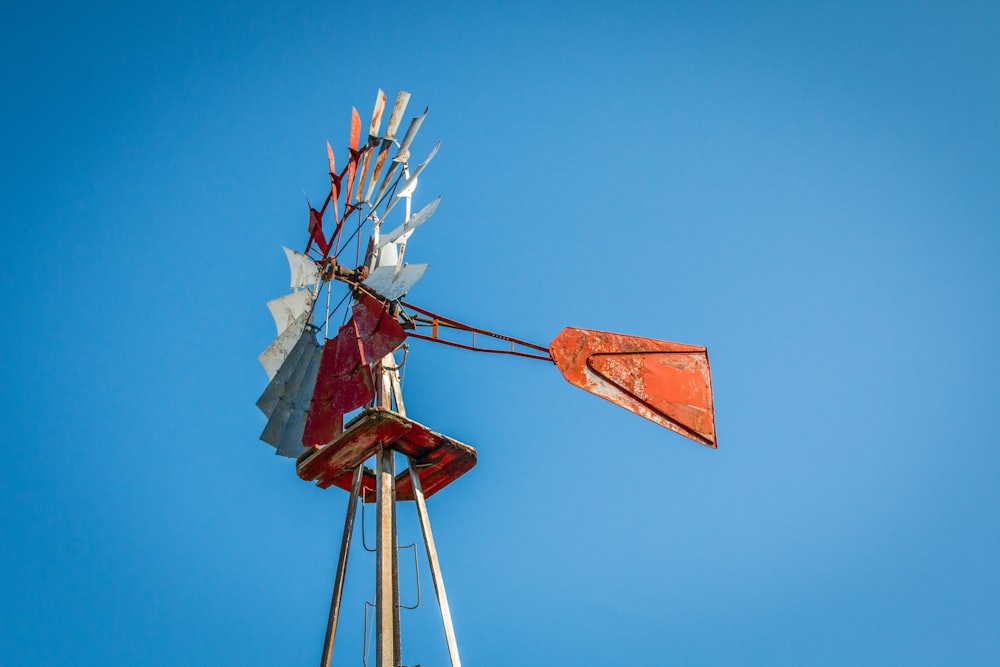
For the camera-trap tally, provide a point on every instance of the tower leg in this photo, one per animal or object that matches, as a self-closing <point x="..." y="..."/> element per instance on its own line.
<point x="386" y="575"/>
<point x="338" y="583"/>
<point x="425" y="527"/>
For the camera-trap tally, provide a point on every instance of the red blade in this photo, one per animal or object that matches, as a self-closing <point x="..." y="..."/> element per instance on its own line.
<point x="316" y="231"/>
<point x="668" y="383"/>
<point x="334" y="181"/>
<point x="352" y="165"/>
<point x="379" y="331"/>
<point x="344" y="382"/>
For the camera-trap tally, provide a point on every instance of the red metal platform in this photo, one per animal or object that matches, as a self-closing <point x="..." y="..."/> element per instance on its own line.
<point x="440" y="460"/>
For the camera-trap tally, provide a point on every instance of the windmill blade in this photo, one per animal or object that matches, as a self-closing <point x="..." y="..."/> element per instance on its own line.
<point x="284" y="427"/>
<point x="389" y="177"/>
<point x="411" y="182"/>
<point x="289" y="308"/>
<point x="344" y="382"/>
<point x="304" y="271"/>
<point x="378" y="330"/>
<point x="275" y="354"/>
<point x="290" y="441"/>
<point x="402" y="233"/>
<point x="352" y="164"/>
<point x="373" y="128"/>
<point x="398" y="109"/>
<point x="403" y="154"/>
<point x="668" y="383"/>
<point x="393" y="284"/>
<point x="334" y="182"/>
<point x="268" y="401"/>
<point x="316" y="231"/>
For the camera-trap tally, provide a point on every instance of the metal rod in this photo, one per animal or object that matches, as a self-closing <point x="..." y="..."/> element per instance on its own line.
<point x="432" y="559"/>
<point x="385" y="549"/>
<point x="338" y="583"/>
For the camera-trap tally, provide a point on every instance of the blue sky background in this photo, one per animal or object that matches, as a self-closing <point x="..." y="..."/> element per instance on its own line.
<point x="810" y="191"/>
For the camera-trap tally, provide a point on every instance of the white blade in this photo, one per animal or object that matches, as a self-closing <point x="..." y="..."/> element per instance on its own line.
<point x="278" y="386"/>
<point x="274" y="356"/>
<point x="405" y="279"/>
<point x="403" y="154"/>
<point x="380" y="279"/>
<point x="287" y="422"/>
<point x="289" y="308"/>
<point x="411" y="182"/>
<point x="392" y="284"/>
<point x="388" y="255"/>
<point x="304" y="270"/>
<point x="402" y="233"/>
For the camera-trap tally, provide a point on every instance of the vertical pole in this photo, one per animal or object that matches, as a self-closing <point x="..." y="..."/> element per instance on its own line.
<point x="385" y="547"/>
<point x="338" y="583"/>
<point x="442" y="596"/>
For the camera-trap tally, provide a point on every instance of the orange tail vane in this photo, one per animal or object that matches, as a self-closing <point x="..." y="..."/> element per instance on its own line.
<point x="668" y="383"/>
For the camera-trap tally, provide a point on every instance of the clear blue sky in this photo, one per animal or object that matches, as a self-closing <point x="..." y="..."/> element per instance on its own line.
<point x="811" y="192"/>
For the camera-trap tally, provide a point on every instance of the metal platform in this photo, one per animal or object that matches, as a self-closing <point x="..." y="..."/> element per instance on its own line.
<point x="439" y="459"/>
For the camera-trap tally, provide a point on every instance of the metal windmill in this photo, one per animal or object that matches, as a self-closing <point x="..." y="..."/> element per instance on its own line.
<point x="354" y="375"/>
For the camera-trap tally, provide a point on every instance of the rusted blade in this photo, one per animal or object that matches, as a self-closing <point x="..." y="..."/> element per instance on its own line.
<point x="352" y="164"/>
<point x="398" y="108"/>
<point x="376" y="123"/>
<point x="668" y="383"/>
<point x="334" y="181"/>
<point x="372" y="141"/>
<point x="379" y="331"/>
<point x="316" y="231"/>
<point x="344" y="382"/>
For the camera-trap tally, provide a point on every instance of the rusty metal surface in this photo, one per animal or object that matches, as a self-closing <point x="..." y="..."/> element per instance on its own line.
<point x="352" y="164"/>
<point x="398" y="109"/>
<point x="438" y="323"/>
<point x="373" y="128"/>
<point x="440" y="459"/>
<point x="668" y="383"/>
<point x="378" y="330"/>
<point x="344" y="383"/>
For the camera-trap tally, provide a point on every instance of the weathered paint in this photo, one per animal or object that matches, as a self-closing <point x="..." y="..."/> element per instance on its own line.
<point x="287" y="309"/>
<point x="440" y="460"/>
<point x="668" y="383"/>
<point x="293" y="385"/>
<point x="344" y="383"/>
<point x="304" y="272"/>
<point x="398" y="108"/>
<point x="316" y="231"/>
<point x="275" y="354"/>
<point x="378" y="330"/>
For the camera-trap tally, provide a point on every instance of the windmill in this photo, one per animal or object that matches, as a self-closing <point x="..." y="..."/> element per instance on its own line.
<point x="337" y="404"/>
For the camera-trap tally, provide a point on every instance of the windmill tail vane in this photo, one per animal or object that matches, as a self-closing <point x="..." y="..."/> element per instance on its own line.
<point x="315" y="384"/>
